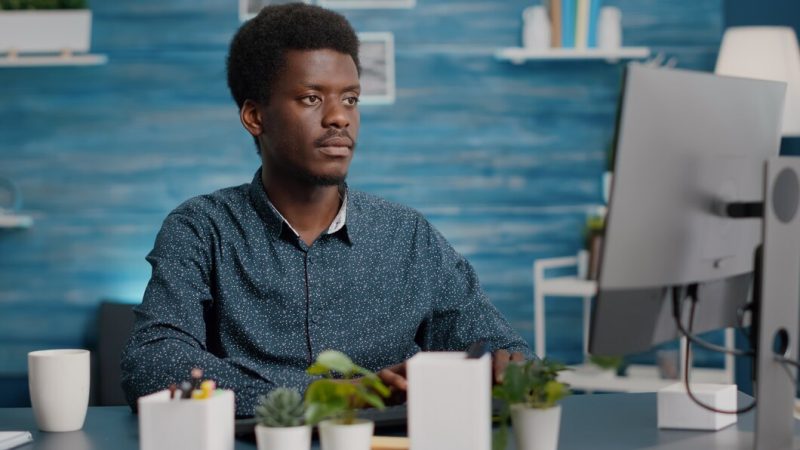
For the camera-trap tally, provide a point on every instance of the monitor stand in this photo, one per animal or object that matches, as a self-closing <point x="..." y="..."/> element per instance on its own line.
<point x="779" y="306"/>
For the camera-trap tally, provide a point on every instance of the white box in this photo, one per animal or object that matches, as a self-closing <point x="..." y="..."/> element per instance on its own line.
<point x="449" y="401"/>
<point x="166" y="424"/>
<point x="676" y="410"/>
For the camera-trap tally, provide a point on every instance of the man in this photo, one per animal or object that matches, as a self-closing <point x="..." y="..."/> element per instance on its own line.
<point x="251" y="283"/>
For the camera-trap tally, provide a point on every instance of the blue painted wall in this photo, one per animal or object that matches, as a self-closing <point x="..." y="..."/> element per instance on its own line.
<point x="504" y="159"/>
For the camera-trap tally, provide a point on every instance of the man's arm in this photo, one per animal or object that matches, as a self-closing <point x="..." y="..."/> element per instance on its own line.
<point x="461" y="313"/>
<point x="169" y="336"/>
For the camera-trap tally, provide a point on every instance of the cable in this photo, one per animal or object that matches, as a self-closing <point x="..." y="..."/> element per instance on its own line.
<point x="785" y="361"/>
<point x="686" y="375"/>
<point x="676" y="312"/>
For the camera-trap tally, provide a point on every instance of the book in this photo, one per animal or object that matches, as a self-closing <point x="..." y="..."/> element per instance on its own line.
<point x="594" y="16"/>
<point x="582" y="24"/>
<point x="555" y="23"/>
<point x="12" y="439"/>
<point x="568" y="12"/>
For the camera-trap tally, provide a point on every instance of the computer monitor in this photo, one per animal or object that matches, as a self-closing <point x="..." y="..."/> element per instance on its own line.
<point x="686" y="142"/>
<point x="690" y="148"/>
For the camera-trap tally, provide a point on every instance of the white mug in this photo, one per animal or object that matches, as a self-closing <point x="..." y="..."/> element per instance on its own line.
<point x="59" y="385"/>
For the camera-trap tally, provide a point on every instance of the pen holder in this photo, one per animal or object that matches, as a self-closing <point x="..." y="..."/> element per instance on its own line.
<point x="166" y="424"/>
<point x="449" y="401"/>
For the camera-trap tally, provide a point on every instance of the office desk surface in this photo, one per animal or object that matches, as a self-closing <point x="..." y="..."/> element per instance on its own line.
<point x="600" y="421"/>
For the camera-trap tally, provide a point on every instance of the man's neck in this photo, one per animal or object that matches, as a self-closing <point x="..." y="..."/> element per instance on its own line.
<point x="310" y="209"/>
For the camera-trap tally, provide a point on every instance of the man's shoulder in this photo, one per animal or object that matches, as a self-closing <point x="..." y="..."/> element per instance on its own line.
<point x="380" y="208"/>
<point x="216" y="205"/>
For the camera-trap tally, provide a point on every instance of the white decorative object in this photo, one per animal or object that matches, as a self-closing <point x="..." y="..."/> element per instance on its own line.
<point x="55" y="31"/>
<point x="337" y="436"/>
<point x="768" y="53"/>
<point x="609" y="28"/>
<point x="167" y="424"/>
<point x="536" y="28"/>
<point x="536" y="429"/>
<point x="449" y="401"/>
<point x="283" y="438"/>
<point x="368" y="4"/>
<point x="250" y="8"/>
<point x="58" y="381"/>
<point x="677" y="411"/>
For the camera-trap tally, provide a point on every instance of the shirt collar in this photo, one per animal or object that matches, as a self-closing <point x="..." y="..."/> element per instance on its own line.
<point x="275" y="221"/>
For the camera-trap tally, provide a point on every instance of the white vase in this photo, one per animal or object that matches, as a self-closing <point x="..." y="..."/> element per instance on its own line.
<point x="609" y="28"/>
<point x="536" y="429"/>
<point x="44" y="31"/>
<point x="536" y="28"/>
<point x="283" y="438"/>
<point x="337" y="436"/>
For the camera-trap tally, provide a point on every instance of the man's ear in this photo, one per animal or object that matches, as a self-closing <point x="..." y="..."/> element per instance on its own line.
<point x="250" y="116"/>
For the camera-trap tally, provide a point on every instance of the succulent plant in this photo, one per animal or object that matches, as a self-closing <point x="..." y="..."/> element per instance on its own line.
<point x="283" y="407"/>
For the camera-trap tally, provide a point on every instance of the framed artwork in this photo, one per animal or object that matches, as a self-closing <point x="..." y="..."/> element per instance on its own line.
<point x="250" y="8"/>
<point x="376" y="55"/>
<point x="368" y="4"/>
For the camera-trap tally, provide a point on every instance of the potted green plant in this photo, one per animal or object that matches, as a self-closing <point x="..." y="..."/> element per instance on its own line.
<point x="530" y="392"/>
<point x="281" y="421"/>
<point x="334" y="403"/>
<point x="45" y="26"/>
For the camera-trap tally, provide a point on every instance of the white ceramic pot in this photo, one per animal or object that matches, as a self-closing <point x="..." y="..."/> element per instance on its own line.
<point x="46" y="31"/>
<point x="336" y="436"/>
<point x="536" y="429"/>
<point x="283" y="438"/>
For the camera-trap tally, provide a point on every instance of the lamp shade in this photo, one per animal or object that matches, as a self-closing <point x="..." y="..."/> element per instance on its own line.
<point x="767" y="53"/>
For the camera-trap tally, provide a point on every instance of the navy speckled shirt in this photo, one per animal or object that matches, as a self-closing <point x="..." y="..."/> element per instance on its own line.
<point x="235" y="292"/>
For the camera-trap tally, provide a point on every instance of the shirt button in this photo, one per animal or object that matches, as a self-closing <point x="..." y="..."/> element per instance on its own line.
<point x="310" y="260"/>
<point x="315" y="318"/>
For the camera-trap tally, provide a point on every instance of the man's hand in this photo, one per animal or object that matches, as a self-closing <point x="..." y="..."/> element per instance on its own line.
<point x="395" y="378"/>
<point x="500" y="360"/>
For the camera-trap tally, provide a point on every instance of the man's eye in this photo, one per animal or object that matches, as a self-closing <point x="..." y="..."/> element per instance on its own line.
<point x="311" y="100"/>
<point x="351" y="101"/>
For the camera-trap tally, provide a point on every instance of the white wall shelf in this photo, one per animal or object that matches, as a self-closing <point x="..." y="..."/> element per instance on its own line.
<point x="15" y="221"/>
<point x="518" y="55"/>
<point x="17" y="60"/>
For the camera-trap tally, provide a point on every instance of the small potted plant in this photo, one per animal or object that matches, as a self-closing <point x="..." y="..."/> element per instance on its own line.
<point x="338" y="401"/>
<point x="530" y="392"/>
<point x="45" y="26"/>
<point x="281" y="421"/>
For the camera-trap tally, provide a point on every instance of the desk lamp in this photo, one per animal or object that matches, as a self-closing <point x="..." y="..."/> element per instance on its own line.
<point x="768" y="53"/>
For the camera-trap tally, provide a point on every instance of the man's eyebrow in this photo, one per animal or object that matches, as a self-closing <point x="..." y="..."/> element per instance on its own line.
<point x="317" y="87"/>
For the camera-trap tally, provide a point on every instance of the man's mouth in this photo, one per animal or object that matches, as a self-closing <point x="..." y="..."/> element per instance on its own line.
<point x="337" y="147"/>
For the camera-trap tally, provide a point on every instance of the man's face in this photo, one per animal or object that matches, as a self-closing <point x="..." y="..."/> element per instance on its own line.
<point x="310" y="124"/>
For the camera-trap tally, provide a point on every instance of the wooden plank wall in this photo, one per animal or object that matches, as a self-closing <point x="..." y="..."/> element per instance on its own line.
<point x="505" y="160"/>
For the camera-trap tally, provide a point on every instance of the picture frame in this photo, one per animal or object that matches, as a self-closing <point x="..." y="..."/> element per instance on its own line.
<point x="376" y="55"/>
<point x="368" y="4"/>
<point x="250" y="8"/>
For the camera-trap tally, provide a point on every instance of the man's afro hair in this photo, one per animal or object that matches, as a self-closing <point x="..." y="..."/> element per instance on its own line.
<point x="258" y="50"/>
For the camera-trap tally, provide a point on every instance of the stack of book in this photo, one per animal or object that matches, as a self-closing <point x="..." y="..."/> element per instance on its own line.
<point x="573" y="23"/>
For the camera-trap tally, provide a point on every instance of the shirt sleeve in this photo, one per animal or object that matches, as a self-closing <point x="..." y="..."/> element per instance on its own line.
<point x="461" y="312"/>
<point x="170" y="336"/>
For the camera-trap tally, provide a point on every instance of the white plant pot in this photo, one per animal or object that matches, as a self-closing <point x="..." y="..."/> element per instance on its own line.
<point x="283" y="438"/>
<point x="336" y="436"/>
<point x="536" y="429"/>
<point x="45" y="31"/>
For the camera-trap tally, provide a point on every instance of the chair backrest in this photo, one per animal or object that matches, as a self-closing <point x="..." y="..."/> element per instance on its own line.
<point x="114" y="326"/>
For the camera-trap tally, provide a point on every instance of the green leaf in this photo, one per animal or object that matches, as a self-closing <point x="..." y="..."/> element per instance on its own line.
<point x="375" y="383"/>
<point x="336" y="361"/>
<point x="373" y="400"/>
<point x="318" y="369"/>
